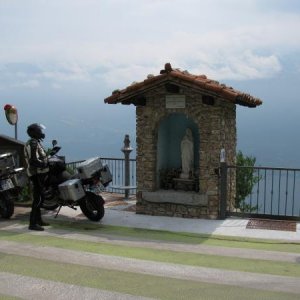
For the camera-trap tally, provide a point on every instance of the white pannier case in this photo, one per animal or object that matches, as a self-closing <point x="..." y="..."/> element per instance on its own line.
<point x="71" y="190"/>
<point x="106" y="176"/>
<point x="6" y="162"/>
<point x="89" y="167"/>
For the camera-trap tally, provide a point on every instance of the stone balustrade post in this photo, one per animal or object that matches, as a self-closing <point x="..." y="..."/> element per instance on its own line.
<point x="126" y="150"/>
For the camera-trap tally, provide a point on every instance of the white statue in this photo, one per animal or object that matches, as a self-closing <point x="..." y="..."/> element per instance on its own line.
<point x="187" y="154"/>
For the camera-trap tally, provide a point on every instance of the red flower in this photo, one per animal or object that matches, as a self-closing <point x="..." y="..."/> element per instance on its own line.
<point x="7" y="106"/>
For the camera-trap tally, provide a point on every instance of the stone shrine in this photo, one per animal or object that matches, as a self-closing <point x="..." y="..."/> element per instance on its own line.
<point x="183" y="123"/>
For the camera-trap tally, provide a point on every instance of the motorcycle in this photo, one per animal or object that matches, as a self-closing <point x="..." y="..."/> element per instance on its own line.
<point x="80" y="189"/>
<point x="12" y="180"/>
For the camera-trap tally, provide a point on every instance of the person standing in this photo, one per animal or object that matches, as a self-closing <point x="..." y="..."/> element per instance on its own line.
<point x="37" y="168"/>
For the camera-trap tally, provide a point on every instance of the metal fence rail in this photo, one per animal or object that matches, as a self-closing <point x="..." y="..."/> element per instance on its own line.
<point x="117" y="168"/>
<point x="275" y="192"/>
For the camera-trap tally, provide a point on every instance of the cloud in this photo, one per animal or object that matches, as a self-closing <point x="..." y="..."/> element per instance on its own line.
<point x="28" y="75"/>
<point x="27" y="84"/>
<point x="239" y="66"/>
<point x="119" y="76"/>
<point x="127" y="40"/>
<point x="65" y="72"/>
<point x="56" y="86"/>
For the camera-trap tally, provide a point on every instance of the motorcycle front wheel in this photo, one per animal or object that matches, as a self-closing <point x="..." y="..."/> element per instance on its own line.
<point x="7" y="205"/>
<point x="92" y="206"/>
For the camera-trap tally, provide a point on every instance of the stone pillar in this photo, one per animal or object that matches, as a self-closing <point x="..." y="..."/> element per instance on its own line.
<point x="126" y="150"/>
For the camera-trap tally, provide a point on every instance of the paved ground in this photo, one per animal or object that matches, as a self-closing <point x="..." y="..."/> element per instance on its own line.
<point x="118" y="213"/>
<point x="62" y="263"/>
<point x="200" y="274"/>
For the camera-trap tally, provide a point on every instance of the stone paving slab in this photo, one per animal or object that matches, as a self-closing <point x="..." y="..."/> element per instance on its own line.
<point x="229" y="227"/>
<point x="201" y="274"/>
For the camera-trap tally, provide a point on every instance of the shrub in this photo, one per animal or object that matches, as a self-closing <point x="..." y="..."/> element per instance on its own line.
<point x="245" y="181"/>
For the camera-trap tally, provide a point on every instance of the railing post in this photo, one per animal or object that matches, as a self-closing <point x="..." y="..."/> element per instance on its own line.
<point x="126" y="150"/>
<point x="223" y="190"/>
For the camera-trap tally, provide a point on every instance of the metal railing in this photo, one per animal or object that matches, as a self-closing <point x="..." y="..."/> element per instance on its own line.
<point x="269" y="192"/>
<point x="273" y="193"/>
<point x="117" y="168"/>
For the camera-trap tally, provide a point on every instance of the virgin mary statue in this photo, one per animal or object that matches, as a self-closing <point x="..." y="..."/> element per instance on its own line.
<point x="187" y="154"/>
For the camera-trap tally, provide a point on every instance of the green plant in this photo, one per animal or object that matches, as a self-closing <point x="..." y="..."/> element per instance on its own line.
<point x="245" y="181"/>
<point x="25" y="194"/>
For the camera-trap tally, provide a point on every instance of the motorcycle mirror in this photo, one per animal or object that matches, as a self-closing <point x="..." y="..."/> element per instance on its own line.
<point x="54" y="142"/>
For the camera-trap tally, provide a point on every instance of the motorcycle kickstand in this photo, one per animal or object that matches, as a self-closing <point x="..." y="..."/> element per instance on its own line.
<point x="58" y="211"/>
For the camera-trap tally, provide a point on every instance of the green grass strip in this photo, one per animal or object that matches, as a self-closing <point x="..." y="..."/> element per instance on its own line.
<point x="191" y="259"/>
<point x="131" y="283"/>
<point x="6" y="297"/>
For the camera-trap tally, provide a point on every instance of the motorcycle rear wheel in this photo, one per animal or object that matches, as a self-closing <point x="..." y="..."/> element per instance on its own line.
<point x="50" y="202"/>
<point x="50" y="205"/>
<point x="7" y="205"/>
<point x="92" y="206"/>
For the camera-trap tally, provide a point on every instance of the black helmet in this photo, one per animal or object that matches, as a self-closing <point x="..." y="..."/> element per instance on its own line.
<point x="35" y="131"/>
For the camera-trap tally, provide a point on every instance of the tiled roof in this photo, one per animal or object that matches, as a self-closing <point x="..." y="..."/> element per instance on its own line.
<point x="212" y="87"/>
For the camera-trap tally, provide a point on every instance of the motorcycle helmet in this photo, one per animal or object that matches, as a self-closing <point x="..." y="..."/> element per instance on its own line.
<point x="35" y="131"/>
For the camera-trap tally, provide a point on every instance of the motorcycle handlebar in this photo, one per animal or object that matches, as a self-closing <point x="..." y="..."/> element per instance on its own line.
<point x="54" y="150"/>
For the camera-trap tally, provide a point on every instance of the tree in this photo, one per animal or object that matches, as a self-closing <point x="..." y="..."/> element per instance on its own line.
<point x="245" y="181"/>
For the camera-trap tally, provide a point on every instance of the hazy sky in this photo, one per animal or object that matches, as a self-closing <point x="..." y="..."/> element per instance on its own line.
<point x="76" y="52"/>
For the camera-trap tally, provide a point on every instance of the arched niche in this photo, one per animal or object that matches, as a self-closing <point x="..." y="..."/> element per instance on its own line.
<point x="170" y="133"/>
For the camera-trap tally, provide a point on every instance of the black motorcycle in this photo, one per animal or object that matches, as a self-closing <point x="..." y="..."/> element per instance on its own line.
<point x="12" y="180"/>
<point x="62" y="188"/>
